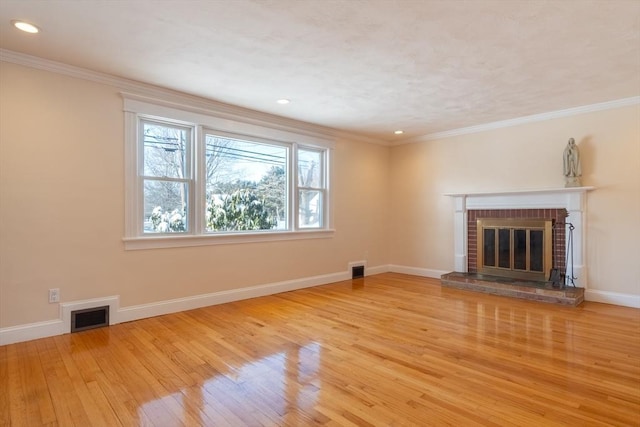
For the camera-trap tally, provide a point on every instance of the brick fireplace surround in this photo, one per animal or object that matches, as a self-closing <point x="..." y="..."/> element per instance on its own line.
<point x="546" y="203"/>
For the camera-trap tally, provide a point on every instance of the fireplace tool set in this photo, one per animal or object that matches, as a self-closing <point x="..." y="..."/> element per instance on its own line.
<point x="557" y="278"/>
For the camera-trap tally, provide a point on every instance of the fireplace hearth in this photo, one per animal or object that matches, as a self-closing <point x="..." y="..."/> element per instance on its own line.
<point x="515" y="288"/>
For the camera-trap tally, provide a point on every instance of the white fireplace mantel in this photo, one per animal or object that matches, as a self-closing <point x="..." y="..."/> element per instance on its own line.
<point x="573" y="199"/>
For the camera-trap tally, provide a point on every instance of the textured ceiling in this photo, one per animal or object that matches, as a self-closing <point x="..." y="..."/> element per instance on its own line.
<point x="368" y="67"/>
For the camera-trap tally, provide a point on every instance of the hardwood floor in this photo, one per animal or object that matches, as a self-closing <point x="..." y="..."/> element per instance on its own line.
<point x="387" y="350"/>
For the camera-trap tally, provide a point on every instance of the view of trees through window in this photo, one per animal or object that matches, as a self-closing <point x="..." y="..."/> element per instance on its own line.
<point x="166" y="177"/>
<point x="246" y="185"/>
<point x="310" y="188"/>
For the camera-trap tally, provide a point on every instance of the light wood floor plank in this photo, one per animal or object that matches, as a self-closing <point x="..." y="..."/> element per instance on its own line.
<point x="386" y="350"/>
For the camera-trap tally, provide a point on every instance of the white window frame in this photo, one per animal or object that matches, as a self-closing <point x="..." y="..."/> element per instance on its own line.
<point x="201" y="121"/>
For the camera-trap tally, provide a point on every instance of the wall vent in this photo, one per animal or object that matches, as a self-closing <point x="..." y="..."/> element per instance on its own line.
<point x="89" y="318"/>
<point x="357" y="271"/>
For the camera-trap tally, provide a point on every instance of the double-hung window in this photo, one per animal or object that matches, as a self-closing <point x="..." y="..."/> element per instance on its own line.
<point x="197" y="179"/>
<point x="311" y="187"/>
<point x="166" y="176"/>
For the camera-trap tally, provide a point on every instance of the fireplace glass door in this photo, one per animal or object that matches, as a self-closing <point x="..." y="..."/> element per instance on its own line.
<point x="516" y="248"/>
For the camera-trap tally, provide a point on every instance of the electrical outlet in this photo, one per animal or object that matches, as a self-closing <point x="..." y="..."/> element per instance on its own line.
<point x="54" y="295"/>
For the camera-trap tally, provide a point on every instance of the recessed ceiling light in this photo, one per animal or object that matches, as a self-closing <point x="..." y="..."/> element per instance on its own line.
<point x="399" y="132"/>
<point x="25" y="26"/>
<point x="283" y="101"/>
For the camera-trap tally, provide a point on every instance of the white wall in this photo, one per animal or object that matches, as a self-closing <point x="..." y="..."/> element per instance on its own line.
<point x="527" y="156"/>
<point x="62" y="210"/>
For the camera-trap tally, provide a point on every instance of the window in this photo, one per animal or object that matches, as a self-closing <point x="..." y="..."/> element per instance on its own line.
<point x="310" y="188"/>
<point x="246" y="185"/>
<point x="166" y="177"/>
<point x="195" y="179"/>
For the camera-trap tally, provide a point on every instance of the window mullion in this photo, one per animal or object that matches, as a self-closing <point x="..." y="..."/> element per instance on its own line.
<point x="325" y="186"/>
<point x="188" y="175"/>
<point x="199" y="184"/>
<point x="293" y="189"/>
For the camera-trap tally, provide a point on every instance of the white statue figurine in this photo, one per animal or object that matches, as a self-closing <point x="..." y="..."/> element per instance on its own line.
<point x="572" y="169"/>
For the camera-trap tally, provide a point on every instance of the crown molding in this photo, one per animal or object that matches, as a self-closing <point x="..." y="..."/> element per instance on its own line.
<point x="625" y="102"/>
<point x="221" y="109"/>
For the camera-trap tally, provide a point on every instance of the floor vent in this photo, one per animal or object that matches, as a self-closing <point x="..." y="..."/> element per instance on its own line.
<point x="89" y="318"/>
<point x="357" y="271"/>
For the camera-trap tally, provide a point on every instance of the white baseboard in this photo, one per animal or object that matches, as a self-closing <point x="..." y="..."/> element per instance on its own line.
<point x="142" y="311"/>
<point x="615" y="298"/>
<point x="31" y="331"/>
<point x="416" y="271"/>
<point x="370" y="271"/>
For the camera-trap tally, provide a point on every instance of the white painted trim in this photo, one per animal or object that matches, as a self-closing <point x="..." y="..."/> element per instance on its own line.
<point x="548" y="198"/>
<point x="615" y="298"/>
<point x="379" y="269"/>
<point x="530" y="192"/>
<point x="67" y="307"/>
<point x="30" y="331"/>
<point x="170" y="241"/>
<point x="609" y="105"/>
<point x="142" y="311"/>
<point x="416" y="271"/>
<point x="131" y="192"/>
<point x="147" y="90"/>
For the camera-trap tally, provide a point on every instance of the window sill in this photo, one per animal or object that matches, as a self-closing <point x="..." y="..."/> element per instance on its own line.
<point x="173" y="241"/>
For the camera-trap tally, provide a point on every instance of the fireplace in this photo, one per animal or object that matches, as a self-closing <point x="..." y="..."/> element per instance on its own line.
<point x="512" y="247"/>
<point x="538" y="236"/>
<point x="557" y="205"/>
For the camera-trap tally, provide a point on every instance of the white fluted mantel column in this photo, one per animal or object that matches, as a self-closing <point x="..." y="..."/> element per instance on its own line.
<point x="573" y="199"/>
<point x="460" y="234"/>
